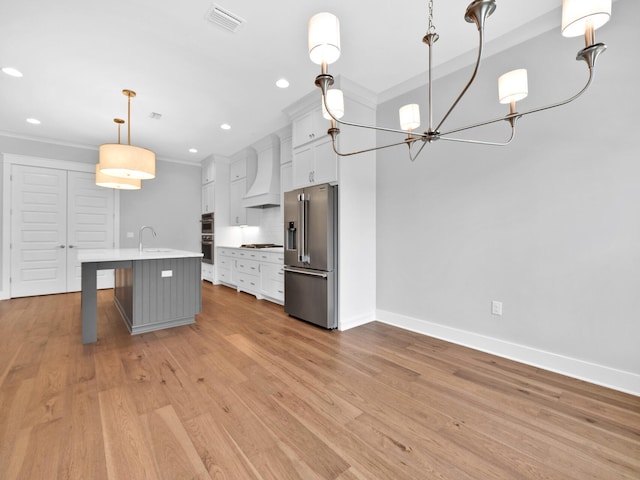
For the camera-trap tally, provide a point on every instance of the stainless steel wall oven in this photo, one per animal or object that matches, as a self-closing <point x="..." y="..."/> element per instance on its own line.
<point x="207" y="238"/>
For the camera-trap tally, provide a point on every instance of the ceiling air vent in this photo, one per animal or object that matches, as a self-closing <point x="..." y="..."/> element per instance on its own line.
<point x="220" y="16"/>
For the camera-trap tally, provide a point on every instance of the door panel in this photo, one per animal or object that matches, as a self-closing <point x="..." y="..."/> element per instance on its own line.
<point x="90" y="218"/>
<point x="38" y="230"/>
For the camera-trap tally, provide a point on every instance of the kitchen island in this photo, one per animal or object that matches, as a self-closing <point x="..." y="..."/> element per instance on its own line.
<point x="154" y="289"/>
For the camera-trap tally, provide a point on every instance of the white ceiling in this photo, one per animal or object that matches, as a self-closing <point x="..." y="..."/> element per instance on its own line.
<point x="78" y="55"/>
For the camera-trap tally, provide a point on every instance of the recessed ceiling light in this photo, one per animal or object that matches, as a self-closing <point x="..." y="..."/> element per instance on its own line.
<point x="33" y="121"/>
<point x="225" y="126"/>
<point x="193" y="150"/>
<point x="282" y="83"/>
<point x="11" y="71"/>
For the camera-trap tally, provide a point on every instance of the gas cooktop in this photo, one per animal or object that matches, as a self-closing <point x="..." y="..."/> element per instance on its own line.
<point x="259" y="245"/>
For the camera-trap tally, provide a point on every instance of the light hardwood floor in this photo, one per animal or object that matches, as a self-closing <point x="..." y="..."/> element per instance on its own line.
<point x="249" y="393"/>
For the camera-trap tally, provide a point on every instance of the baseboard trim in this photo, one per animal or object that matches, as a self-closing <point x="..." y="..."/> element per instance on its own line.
<point x="356" y="321"/>
<point x="621" y="380"/>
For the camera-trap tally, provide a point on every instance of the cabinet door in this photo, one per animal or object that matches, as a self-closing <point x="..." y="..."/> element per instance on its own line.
<point x="325" y="168"/>
<point x="208" y="171"/>
<point x="302" y="166"/>
<point x="237" y="214"/>
<point x="309" y="127"/>
<point x="238" y="169"/>
<point x="208" y="198"/>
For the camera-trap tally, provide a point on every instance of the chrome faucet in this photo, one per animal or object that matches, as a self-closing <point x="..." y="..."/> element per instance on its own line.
<point x="140" y="235"/>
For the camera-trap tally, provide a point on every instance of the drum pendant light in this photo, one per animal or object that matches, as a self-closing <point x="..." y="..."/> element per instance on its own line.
<point x="127" y="161"/>
<point x="108" y="181"/>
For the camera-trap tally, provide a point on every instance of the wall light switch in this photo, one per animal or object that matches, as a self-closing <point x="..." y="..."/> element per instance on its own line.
<point x="496" y="308"/>
<point x="167" y="273"/>
<point x="129" y="234"/>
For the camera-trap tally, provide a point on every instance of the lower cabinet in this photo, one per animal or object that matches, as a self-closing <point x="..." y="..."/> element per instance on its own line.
<point x="207" y="272"/>
<point x="254" y="271"/>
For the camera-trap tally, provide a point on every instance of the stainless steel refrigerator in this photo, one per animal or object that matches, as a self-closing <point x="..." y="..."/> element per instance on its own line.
<point x="311" y="254"/>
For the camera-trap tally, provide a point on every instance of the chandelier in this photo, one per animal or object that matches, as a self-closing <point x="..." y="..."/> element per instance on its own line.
<point x="127" y="161"/>
<point x="579" y="17"/>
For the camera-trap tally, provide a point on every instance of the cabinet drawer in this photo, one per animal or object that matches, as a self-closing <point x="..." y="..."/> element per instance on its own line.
<point x="224" y="262"/>
<point x="248" y="282"/>
<point x="224" y="251"/>
<point x="250" y="254"/>
<point x="248" y="266"/>
<point x="271" y="257"/>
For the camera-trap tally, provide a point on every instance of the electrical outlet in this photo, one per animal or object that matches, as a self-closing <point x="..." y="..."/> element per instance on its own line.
<point x="129" y="234"/>
<point x="167" y="273"/>
<point x="496" y="308"/>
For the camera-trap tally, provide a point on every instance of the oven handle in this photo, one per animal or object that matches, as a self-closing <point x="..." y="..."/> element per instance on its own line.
<point x="206" y="243"/>
<point x="305" y="272"/>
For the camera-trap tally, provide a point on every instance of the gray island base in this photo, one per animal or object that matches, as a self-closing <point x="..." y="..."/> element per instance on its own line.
<point x="155" y="289"/>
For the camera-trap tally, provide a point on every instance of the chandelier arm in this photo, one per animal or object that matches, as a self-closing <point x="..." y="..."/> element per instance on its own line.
<point x="371" y="127"/>
<point x="534" y="110"/>
<point x="404" y="142"/>
<point x="481" y="142"/>
<point x="413" y="157"/>
<point x="473" y="77"/>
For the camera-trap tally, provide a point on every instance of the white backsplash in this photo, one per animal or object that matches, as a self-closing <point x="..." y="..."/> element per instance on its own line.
<point x="269" y="229"/>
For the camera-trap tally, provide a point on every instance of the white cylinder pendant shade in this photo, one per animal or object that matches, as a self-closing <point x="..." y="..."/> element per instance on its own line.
<point x="335" y="102"/>
<point x="577" y="13"/>
<point x="324" y="38"/>
<point x="513" y="86"/>
<point x="409" y="116"/>
<point x="104" y="180"/>
<point x="127" y="161"/>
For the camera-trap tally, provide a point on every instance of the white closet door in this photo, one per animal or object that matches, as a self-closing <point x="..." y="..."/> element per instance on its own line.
<point x="38" y="231"/>
<point x="90" y="225"/>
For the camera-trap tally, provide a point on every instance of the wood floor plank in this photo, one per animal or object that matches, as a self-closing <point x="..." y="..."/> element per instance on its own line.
<point x="248" y="392"/>
<point x="174" y="453"/>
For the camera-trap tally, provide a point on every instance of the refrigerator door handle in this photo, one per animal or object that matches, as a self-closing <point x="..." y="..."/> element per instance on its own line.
<point x="305" y="272"/>
<point x="302" y="230"/>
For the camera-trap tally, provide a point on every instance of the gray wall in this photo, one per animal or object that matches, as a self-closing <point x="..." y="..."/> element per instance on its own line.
<point x="549" y="225"/>
<point x="170" y="203"/>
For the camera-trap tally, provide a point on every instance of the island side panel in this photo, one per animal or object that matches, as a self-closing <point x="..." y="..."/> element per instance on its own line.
<point x="165" y="301"/>
<point x="123" y="294"/>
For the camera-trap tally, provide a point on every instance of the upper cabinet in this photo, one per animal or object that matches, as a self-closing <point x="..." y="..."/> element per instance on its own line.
<point x="238" y="168"/>
<point x="308" y="127"/>
<point x="314" y="161"/>
<point x="208" y="170"/>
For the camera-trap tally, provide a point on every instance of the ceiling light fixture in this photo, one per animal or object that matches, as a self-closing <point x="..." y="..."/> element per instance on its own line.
<point x="33" y="121"/>
<point x="13" y="72"/>
<point x="282" y="83"/>
<point x="193" y="150"/>
<point x="109" y="181"/>
<point x="127" y="161"/>
<point x="225" y="126"/>
<point x="579" y="17"/>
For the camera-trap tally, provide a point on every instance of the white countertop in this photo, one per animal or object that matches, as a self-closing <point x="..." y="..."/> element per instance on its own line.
<point x="117" y="254"/>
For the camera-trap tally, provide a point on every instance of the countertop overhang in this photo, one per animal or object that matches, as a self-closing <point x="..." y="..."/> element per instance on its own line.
<point x="121" y="254"/>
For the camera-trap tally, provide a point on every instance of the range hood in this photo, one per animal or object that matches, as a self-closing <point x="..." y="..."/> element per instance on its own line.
<point x="264" y="190"/>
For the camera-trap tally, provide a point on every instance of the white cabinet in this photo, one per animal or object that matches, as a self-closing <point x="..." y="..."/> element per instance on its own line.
<point x="208" y="197"/>
<point x="207" y="272"/>
<point x="254" y="271"/>
<point x="309" y="127"/>
<point x="238" y="169"/>
<point x="208" y="171"/>
<point x="315" y="163"/>
<point x="272" y="275"/>
<point x="224" y="265"/>
<point x="237" y="213"/>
